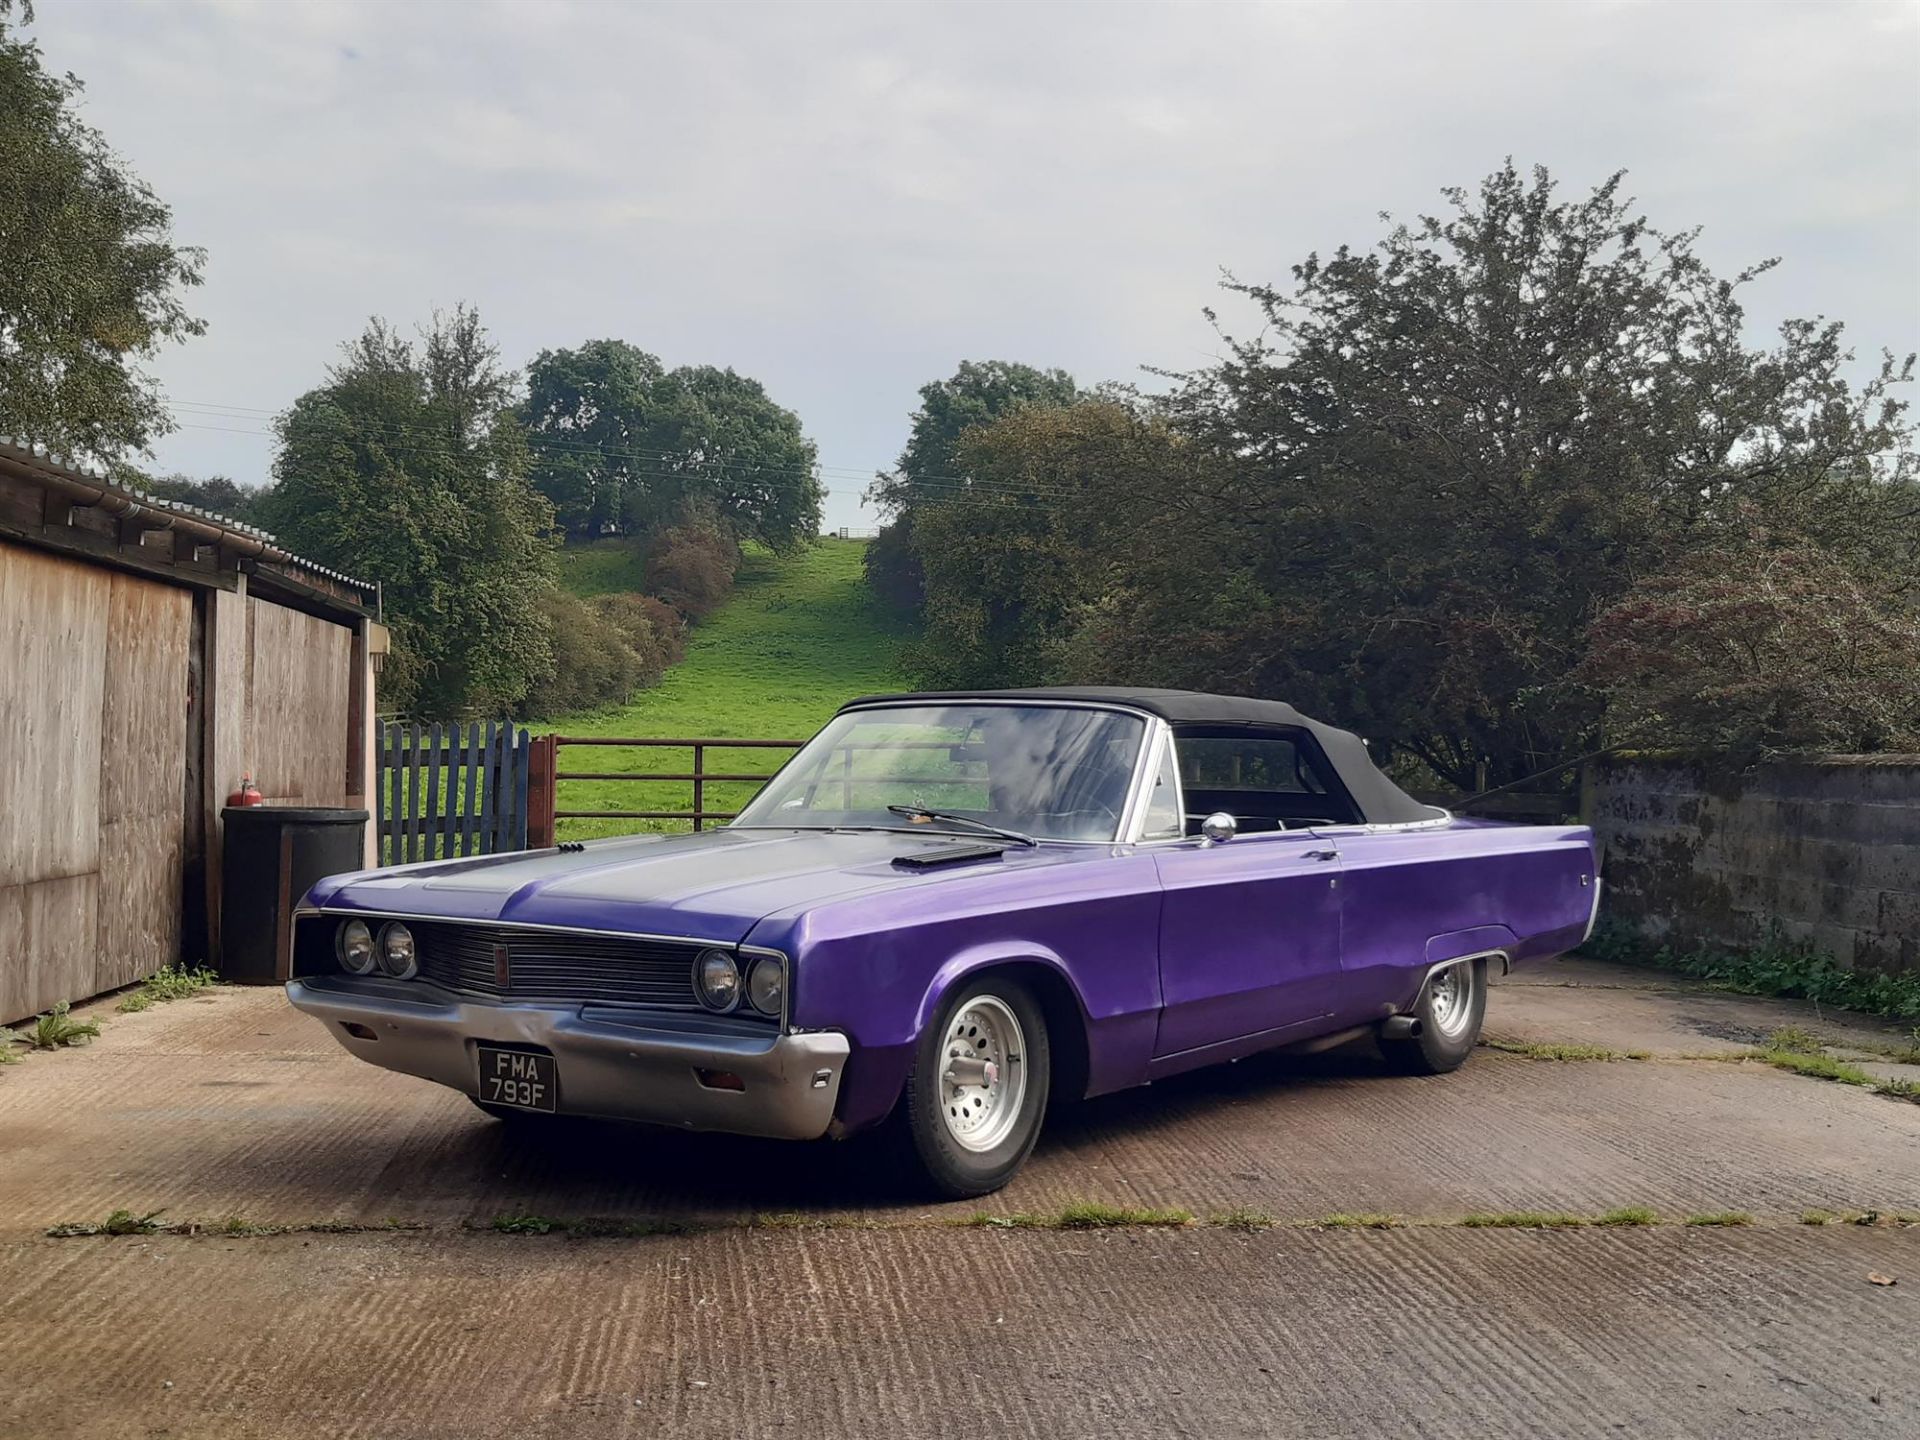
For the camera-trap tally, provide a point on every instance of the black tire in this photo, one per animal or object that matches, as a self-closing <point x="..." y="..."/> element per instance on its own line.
<point x="1449" y="1024"/>
<point x="931" y="1108"/>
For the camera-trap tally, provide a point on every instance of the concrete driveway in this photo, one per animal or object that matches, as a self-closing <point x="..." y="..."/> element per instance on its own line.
<point x="753" y="1288"/>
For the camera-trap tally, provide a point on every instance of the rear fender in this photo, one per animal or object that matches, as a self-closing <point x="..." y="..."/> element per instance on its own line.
<point x="1494" y="942"/>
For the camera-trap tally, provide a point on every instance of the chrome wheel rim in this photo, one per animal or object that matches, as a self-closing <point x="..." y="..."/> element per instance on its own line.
<point x="1450" y="998"/>
<point x="983" y="1073"/>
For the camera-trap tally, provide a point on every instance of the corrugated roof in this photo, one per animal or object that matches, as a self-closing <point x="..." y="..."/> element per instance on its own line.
<point x="39" y="457"/>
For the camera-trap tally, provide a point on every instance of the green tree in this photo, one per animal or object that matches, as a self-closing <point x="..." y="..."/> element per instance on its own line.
<point x="90" y="278"/>
<point x="1019" y="560"/>
<point x="734" y="454"/>
<point x="620" y="443"/>
<point x="587" y="416"/>
<point x="217" y="493"/>
<point x="408" y="467"/>
<point x="1443" y="457"/>
<point x="930" y="467"/>
<point x="1760" y="644"/>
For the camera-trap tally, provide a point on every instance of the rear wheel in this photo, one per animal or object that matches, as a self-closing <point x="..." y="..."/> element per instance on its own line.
<point x="978" y="1088"/>
<point x="1450" y="1010"/>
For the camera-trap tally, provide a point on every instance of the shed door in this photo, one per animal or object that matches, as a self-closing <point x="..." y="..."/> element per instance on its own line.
<point x="143" y="779"/>
<point x="93" y="691"/>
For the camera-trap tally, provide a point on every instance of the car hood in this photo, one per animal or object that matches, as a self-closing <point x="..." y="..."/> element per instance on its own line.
<point x="712" y="886"/>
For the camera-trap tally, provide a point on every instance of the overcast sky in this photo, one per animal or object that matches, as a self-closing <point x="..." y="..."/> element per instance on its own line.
<point x="844" y="201"/>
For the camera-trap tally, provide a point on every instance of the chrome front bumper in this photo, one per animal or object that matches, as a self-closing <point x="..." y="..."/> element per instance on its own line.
<point x="616" y="1064"/>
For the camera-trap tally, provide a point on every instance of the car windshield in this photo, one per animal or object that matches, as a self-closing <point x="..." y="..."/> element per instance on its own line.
<point x="1053" y="772"/>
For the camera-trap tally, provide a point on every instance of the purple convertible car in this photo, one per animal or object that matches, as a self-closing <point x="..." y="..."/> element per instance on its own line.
<point x="946" y="910"/>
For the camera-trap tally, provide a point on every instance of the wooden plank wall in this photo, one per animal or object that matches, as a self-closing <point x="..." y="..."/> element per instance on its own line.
<point x="299" y="701"/>
<point x="143" y="775"/>
<point x="53" y="629"/>
<point x="92" y="777"/>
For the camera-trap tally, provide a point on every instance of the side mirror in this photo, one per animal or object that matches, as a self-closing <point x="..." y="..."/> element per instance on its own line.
<point x="1219" y="827"/>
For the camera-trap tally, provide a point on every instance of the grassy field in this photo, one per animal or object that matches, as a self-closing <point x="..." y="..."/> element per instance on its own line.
<point x="799" y="637"/>
<point x="605" y="567"/>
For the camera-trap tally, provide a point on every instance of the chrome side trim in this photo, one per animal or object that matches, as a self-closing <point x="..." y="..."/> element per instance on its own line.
<point x="1593" y="913"/>
<point x="1133" y="816"/>
<point x="1389" y="827"/>
<point x="1506" y="966"/>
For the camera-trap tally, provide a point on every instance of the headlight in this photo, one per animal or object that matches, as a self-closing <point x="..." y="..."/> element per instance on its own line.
<point x="767" y="986"/>
<point x="716" y="980"/>
<point x="397" y="955"/>
<point x="353" y="947"/>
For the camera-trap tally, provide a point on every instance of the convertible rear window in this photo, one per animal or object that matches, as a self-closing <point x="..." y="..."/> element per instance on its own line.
<point x="1054" y="772"/>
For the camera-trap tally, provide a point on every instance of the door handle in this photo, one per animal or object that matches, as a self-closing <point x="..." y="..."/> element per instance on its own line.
<point x="1323" y="854"/>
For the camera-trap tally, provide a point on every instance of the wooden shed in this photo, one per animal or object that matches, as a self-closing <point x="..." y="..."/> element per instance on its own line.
<point x="151" y="655"/>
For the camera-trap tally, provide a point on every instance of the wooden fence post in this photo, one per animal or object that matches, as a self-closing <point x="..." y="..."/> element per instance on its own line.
<point x="541" y="765"/>
<point x="699" y="785"/>
<point x="1589" y="783"/>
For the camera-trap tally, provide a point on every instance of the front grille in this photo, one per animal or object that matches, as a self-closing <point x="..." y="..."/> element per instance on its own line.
<point x="557" y="965"/>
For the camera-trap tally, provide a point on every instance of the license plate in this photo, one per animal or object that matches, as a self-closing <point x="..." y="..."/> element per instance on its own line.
<point x="518" y="1078"/>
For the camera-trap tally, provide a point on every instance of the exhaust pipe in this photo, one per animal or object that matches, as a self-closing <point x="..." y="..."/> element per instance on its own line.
<point x="1401" y="1027"/>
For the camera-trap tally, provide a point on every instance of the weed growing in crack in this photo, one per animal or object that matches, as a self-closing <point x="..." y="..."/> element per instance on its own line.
<point x="1549" y="1050"/>
<point x="1241" y="1217"/>
<point x="57" y="1028"/>
<point x="169" y="982"/>
<point x="1085" y="1215"/>
<point x="1628" y="1215"/>
<point x="120" y="1222"/>
<point x="1816" y="1066"/>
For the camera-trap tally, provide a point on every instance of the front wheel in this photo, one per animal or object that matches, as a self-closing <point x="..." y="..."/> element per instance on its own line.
<point x="1449" y="1011"/>
<point x="978" y="1088"/>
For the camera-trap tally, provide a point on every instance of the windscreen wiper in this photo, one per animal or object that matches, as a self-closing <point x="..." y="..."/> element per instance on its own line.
<point x="920" y="812"/>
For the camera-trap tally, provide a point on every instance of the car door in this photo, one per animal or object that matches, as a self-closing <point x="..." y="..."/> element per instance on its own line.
<point x="1250" y="927"/>
<point x="1249" y="938"/>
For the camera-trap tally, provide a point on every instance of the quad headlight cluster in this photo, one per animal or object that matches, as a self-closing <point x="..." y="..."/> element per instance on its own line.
<point x="721" y="987"/>
<point x="721" y="983"/>
<point x="392" y="951"/>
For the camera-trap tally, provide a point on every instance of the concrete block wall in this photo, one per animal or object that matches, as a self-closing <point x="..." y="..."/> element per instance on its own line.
<point x="1827" y="849"/>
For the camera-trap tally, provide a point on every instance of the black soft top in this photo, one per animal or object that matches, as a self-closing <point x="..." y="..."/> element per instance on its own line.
<point x="1381" y="802"/>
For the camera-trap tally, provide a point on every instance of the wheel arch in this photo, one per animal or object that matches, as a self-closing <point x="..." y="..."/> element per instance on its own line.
<point x="1046" y="975"/>
<point x="1482" y="942"/>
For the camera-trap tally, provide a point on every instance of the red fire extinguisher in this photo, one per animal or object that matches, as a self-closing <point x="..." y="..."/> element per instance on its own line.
<point x="247" y="794"/>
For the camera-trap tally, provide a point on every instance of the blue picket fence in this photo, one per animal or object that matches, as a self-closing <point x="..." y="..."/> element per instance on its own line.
<point x="449" y="790"/>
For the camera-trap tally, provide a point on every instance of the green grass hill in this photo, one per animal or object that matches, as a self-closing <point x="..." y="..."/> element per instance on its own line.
<point x="798" y="638"/>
